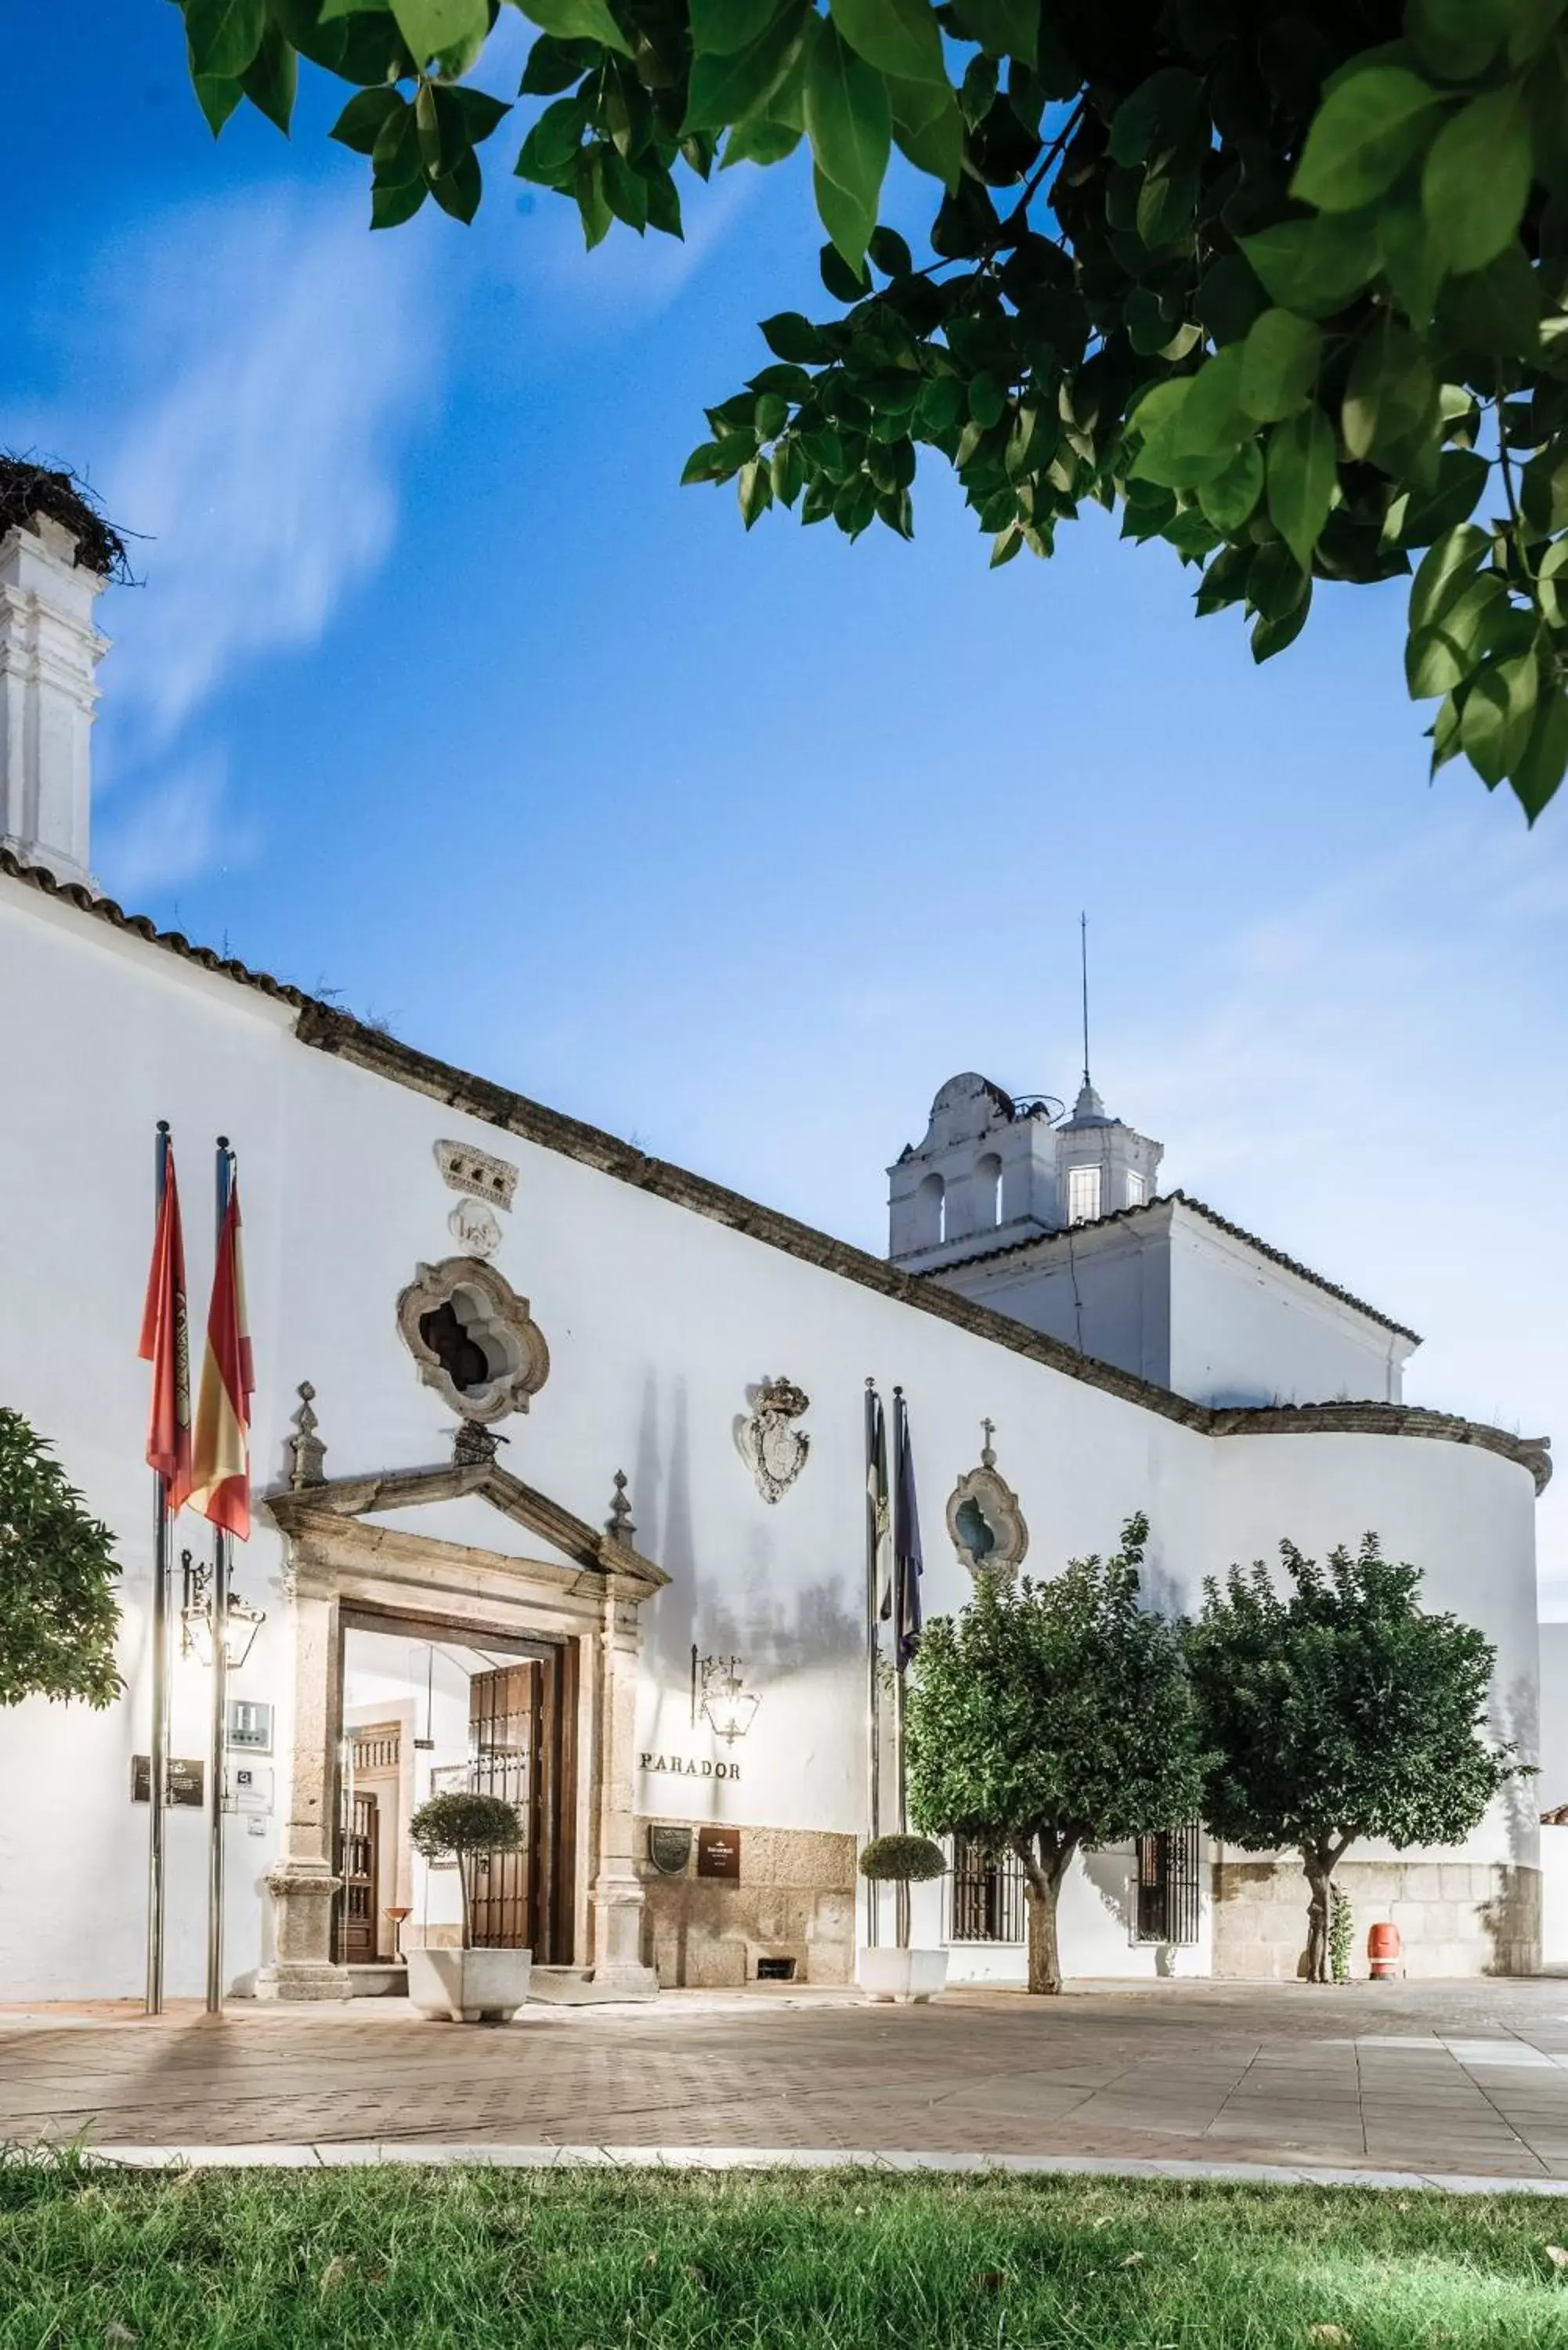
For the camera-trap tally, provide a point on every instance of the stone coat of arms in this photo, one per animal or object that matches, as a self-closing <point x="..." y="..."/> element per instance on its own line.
<point x="772" y="1448"/>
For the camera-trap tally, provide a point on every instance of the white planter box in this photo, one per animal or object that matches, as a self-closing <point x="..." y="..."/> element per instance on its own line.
<point x="907" y="1976"/>
<point x="469" y="1986"/>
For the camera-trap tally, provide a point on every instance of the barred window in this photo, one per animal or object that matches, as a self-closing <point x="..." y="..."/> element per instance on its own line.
<point x="985" y="1895"/>
<point x="1166" y="1886"/>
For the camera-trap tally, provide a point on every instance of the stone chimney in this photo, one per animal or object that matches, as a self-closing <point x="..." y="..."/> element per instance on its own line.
<point x="50" y="579"/>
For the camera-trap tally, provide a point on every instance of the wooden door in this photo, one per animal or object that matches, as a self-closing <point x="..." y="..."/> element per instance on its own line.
<point x="360" y="1867"/>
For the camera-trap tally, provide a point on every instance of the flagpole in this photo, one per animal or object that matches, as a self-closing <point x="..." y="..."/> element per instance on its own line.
<point x="901" y="1438"/>
<point x="158" y="1760"/>
<point x="873" y="1753"/>
<point x="220" y="1624"/>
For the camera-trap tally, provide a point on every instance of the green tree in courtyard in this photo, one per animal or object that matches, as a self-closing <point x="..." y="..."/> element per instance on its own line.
<point x="58" y="1614"/>
<point x="1285" y="282"/>
<point x="1050" y="1718"/>
<point x="1339" y="1710"/>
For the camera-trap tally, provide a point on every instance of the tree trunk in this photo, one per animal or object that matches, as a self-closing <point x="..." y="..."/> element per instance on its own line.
<point x="1043" y="1871"/>
<point x="462" y="1861"/>
<point x="1319" y="1862"/>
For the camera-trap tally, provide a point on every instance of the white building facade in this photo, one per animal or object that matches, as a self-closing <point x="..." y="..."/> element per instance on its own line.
<point x="533" y="1509"/>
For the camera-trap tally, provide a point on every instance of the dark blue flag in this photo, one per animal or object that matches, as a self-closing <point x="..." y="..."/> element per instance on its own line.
<point x="909" y="1564"/>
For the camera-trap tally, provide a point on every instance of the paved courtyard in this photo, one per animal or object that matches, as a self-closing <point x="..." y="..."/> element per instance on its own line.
<point x="1454" y="2078"/>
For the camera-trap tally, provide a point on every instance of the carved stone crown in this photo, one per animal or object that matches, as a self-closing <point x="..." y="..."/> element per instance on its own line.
<point x="477" y="1172"/>
<point x="784" y="1396"/>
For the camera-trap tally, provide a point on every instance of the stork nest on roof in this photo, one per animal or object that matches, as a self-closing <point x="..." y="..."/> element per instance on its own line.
<point x="28" y="490"/>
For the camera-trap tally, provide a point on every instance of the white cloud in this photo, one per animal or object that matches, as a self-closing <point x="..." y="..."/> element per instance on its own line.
<point x="178" y="830"/>
<point x="1367" y="1088"/>
<point x="263" y="355"/>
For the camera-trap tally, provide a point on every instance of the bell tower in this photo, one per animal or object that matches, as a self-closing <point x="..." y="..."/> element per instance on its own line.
<point x="994" y="1171"/>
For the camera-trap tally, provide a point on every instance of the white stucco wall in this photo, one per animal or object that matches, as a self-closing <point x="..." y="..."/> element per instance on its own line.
<point x="1549" y="1792"/>
<point x="1171" y="1297"/>
<point x="1245" y="1330"/>
<point x="1105" y="1289"/>
<point x="658" y="1319"/>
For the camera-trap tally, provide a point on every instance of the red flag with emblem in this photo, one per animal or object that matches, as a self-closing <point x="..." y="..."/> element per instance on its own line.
<point x="165" y="1344"/>
<point x="221" y="1484"/>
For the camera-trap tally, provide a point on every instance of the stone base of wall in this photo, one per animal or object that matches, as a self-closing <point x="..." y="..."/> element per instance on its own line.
<point x="795" y="1898"/>
<point x="1455" y="1917"/>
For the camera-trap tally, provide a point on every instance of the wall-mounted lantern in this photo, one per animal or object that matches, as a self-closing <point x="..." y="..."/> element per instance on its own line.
<point x="719" y="1692"/>
<point x="196" y="1617"/>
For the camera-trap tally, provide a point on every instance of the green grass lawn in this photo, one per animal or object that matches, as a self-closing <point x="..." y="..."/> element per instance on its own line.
<point x="541" y="2261"/>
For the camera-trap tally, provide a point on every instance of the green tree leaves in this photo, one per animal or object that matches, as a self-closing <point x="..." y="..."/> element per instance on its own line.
<point x="1301" y="474"/>
<point x="849" y="122"/>
<point x="1280" y="362"/>
<point x="432" y="26"/>
<point x="1267" y="296"/>
<point x="1052" y="1716"/>
<point x="1476" y="179"/>
<point x="224" y="37"/>
<point x="582" y="20"/>
<point x="897" y="36"/>
<point x="58" y="1576"/>
<point x="1340" y="1710"/>
<point x="1369" y="127"/>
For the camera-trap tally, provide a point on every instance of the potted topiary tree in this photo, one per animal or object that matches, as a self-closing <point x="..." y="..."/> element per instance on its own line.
<point x="900" y="1973"/>
<point x="467" y="1985"/>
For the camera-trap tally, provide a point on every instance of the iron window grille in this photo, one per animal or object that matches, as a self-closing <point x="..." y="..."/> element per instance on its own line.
<point x="985" y="1895"/>
<point x="1166" y="1888"/>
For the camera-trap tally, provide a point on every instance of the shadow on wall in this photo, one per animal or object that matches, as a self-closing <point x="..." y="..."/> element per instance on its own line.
<point x="1512" y="1915"/>
<point x="1111" y="1872"/>
<point x="773" y="1637"/>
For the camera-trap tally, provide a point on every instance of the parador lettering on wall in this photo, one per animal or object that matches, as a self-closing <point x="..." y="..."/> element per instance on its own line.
<point x="682" y="1766"/>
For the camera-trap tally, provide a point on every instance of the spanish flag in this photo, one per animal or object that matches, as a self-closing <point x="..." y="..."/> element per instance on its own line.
<point x="221" y="1485"/>
<point x="165" y="1344"/>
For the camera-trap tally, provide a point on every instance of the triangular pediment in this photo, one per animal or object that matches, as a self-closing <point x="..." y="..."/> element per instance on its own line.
<point x="452" y="1501"/>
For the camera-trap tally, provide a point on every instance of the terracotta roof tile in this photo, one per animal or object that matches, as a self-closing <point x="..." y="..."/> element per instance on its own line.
<point x="1209" y="1215"/>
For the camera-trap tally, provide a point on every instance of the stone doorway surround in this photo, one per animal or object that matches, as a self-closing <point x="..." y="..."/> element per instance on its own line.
<point x="338" y="1561"/>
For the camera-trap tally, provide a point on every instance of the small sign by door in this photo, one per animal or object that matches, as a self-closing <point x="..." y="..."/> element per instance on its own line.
<point x="250" y="1726"/>
<point x="249" y="1789"/>
<point x="719" y="1852"/>
<point x="185" y="1786"/>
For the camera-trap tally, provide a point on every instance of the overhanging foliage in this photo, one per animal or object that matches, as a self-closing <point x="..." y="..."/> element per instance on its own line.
<point x="1285" y="281"/>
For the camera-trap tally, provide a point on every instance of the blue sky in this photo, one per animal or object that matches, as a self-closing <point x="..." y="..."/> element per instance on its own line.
<point x="441" y="692"/>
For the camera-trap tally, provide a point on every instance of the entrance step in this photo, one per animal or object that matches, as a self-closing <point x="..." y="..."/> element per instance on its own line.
<point x="576" y="1987"/>
<point x="387" y="1981"/>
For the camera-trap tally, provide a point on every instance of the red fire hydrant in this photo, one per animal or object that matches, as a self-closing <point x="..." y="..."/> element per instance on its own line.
<point x="1384" y="1950"/>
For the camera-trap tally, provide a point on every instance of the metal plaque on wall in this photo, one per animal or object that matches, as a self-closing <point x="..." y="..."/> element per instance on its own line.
<point x="250" y="1726"/>
<point x="185" y="1781"/>
<point x="719" y="1852"/>
<point x="669" y="1850"/>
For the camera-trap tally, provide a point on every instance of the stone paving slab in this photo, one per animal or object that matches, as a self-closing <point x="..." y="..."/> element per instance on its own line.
<point x="1460" y="2079"/>
<point x="484" y="2156"/>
